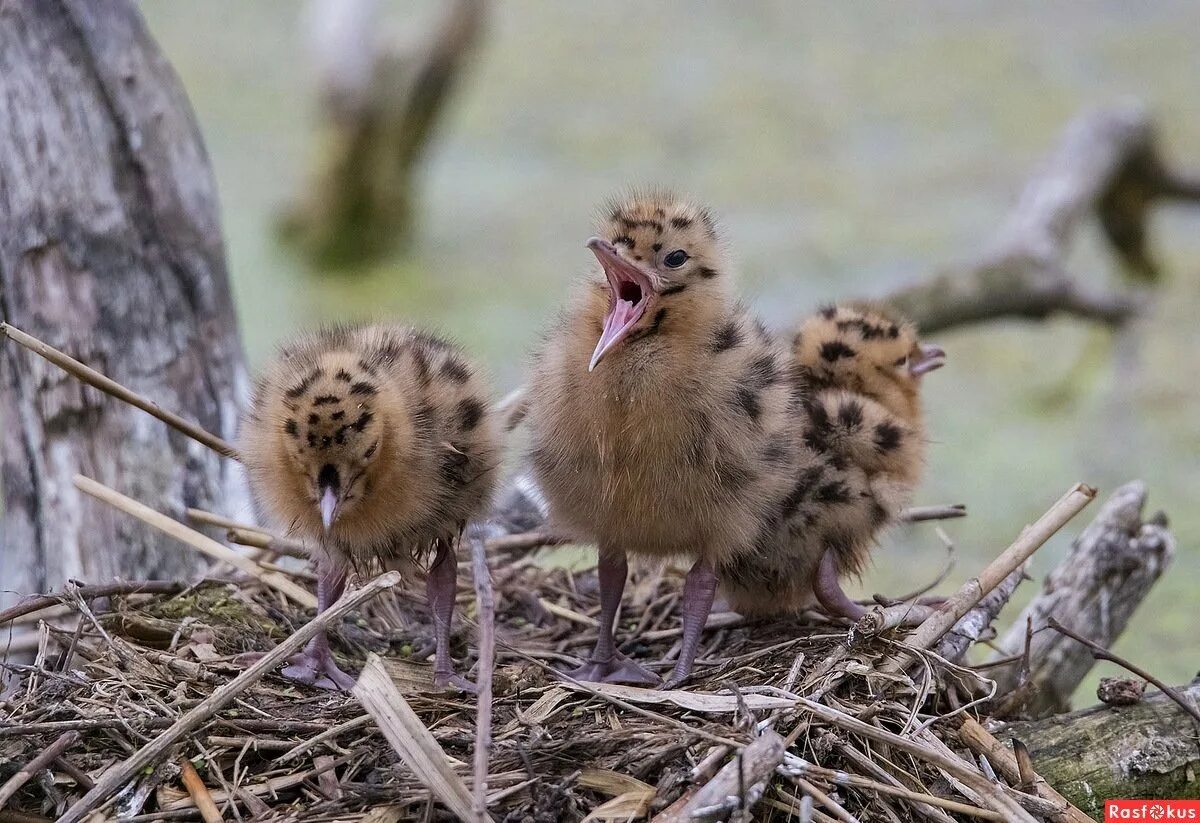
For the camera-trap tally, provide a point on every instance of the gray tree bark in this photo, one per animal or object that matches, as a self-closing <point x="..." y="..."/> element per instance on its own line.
<point x="110" y="249"/>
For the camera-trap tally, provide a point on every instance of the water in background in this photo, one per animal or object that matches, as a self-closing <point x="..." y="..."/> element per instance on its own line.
<point x="849" y="147"/>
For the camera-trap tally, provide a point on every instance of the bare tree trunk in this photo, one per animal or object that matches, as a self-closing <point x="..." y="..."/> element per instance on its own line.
<point x="110" y="249"/>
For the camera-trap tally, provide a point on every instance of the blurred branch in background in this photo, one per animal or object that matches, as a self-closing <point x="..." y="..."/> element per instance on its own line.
<point x="378" y="108"/>
<point x="1108" y="165"/>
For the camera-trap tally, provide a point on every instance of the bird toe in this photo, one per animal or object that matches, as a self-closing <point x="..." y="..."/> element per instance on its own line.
<point x="616" y="669"/>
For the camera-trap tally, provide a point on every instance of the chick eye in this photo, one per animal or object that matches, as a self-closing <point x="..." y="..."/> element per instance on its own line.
<point x="901" y="361"/>
<point x="676" y="259"/>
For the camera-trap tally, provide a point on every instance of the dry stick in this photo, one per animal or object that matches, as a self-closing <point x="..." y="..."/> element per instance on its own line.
<point x="1101" y="653"/>
<point x="202" y="543"/>
<point x="1029" y="541"/>
<point x="268" y="543"/>
<point x="219" y="520"/>
<point x="45" y="601"/>
<point x="919" y="514"/>
<point x="487" y="661"/>
<point x="411" y="739"/>
<point x="116" y="777"/>
<point x="982" y="742"/>
<point x="328" y="734"/>
<point x="199" y="792"/>
<point x="111" y="387"/>
<point x="825" y="800"/>
<point x="44" y="759"/>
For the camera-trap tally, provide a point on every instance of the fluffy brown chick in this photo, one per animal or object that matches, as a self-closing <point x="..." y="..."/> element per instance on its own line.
<point x="377" y="445"/>
<point x="665" y="420"/>
<point x="862" y="365"/>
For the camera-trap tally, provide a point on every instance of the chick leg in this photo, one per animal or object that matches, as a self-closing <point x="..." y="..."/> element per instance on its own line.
<point x="441" y="588"/>
<point x="607" y="664"/>
<point x="698" y="591"/>
<point x="828" y="590"/>
<point x="315" y="665"/>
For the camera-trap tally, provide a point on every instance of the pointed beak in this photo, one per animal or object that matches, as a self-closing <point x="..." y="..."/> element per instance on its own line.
<point x="328" y="507"/>
<point x="630" y="293"/>
<point x="932" y="357"/>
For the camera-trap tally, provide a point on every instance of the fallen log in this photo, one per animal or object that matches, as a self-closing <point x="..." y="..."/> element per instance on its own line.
<point x="1147" y="750"/>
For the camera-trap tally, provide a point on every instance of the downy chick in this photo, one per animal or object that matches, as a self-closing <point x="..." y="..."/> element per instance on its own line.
<point x="665" y="420"/>
<point x="862" y="366"/>
<point x="377" y="445"/>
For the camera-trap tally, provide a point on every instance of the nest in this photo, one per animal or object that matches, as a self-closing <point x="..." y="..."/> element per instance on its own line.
<point x="136" y="662"/>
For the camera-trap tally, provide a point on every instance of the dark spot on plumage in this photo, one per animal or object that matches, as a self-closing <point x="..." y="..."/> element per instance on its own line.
<point x="733" y="474"/>
<point x="362" y="421"/>
<point x="369" y="368"/>
<point x="291" y="428"/>
<point x="805" y="482"/>
<point x="623" y="240"/>
<point x="629" y="225"/>
<point x="326" y="400"/>
<point x="370" y="452"/>
<point x="673" y="289"/>
<point x="652" y="329"/>
<point x="828" y="312"/>
<point x="339" y="436"/>
<point x="314" y="419"/>
<point x="706" y="272"/>
<point x="775" y="452"/>
<point x="421" y="362"/>
<point x="344" y="376"/>
<point x="833" y="350"/>
<point x="657" y="226"/>
<point x="326" y="441"/>
<point x="888" y="437"/>
<point x="833" y="492"/>
<point x="637" y="257"/>
<point x="312" y="439"/>
<point x="363" y="389"/>
<point x="879" y="515"/>
<point x="656" y="246"/>
<point x="763" y="372"/>
<point x="894" y="332"/>
<point x="850" y="414"/>
<point x="727" y="337"/>
<point x="303" y="386"/>
<point x="659" y="213"/>
<point x="453" y="466"/>
<point x="681" y="222"/>
<point x="748" y="401"/>
<point x="456" y="370"/>
<point x="470" y="412"/>
<point x="338" y="415"/>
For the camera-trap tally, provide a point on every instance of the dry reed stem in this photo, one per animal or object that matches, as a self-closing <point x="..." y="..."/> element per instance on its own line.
<point x="487" y="663"/>
<point x="150" y="754"/>
<point x="202" y="543"/>
<point x="411" y="739"/>
<point x="199" y="792"/>
<point x="111" y="387"/>
<point x="42" y="761"/>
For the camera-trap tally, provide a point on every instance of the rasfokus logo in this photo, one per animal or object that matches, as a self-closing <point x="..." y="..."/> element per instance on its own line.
<point x="1151" y="810"/>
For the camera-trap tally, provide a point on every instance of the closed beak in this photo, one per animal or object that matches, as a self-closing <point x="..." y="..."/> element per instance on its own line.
<point x="328" y="508"/>
<point x="932" y="357"/>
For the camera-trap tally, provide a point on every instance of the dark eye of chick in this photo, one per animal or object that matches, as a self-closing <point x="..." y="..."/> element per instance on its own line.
<point x="901" y="361"/>
<point x="675" y="259"/>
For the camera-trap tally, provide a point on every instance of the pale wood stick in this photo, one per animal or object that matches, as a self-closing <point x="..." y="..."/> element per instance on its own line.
<point x="39" y="602"/>
<point x="220" y="521"/>
<point x="981" y="741"/>
<point x="487" y="662"/>
<point x="118" y="775"/>
<point x="411" y="739"/>
<point x="1029" y="541"/>
<point x="199" y="793"/>
<point x="833" y="807"/>
<point x="42" y="761"/>
<point x="722" y="794"/>
<point x="111" y="387"/>
<point x="328" y="734"/>
<point x="269" y="543"/>
<point x="202" y="543"/>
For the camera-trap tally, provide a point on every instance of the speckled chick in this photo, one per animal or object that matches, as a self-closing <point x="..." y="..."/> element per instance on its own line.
<point x="665" y="420"/>
<point x="377" y="445"/>
<point x="864" y="443"/>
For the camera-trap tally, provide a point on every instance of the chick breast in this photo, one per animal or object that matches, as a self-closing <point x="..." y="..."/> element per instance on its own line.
<point x="405" y="406"/>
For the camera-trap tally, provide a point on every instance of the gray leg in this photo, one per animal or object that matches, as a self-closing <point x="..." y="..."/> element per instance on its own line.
<point x="828" y="590"/>
<point x="315" y="665"/>
<point x="698" y="591"/>
<point x="607" y="664"/>
<point x="441" y="587"/>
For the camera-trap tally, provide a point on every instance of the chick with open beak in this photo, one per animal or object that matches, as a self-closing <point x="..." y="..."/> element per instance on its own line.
<point x="376" y="445"/>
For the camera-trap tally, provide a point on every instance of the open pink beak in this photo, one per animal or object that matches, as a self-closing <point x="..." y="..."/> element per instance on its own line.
<point x="630" y="294"/>
<point x="932" y="357"/>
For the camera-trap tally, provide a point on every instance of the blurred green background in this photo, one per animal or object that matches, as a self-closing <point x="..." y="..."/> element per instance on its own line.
<point x="849" y="147"/>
